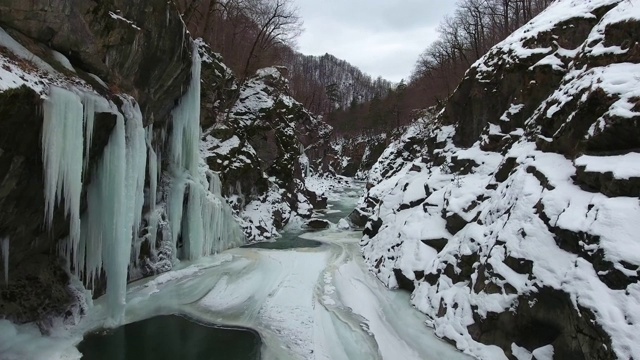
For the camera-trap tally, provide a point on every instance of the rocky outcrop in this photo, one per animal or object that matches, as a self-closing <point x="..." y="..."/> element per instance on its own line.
<point x="353" y="157"/>
<point x="259" y="146"/>
<point x="318" y="224"/>
<point x="509" y="215"/>
<point x="136" y="47"/>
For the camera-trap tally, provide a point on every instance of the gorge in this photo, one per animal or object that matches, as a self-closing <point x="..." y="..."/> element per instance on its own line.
<point x="140" y="178"/>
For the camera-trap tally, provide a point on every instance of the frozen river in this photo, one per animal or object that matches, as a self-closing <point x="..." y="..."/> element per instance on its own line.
<point x="316" y="302"/>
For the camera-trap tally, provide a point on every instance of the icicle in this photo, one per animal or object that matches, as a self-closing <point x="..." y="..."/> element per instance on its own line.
<point x="196" y="213"/>
<point x="215" y="185"/>
<point x="185" y="139"/>
<point x="205" y="223"/>
<point x="154" y="216"/>
<point x="62" y="150"/>
<point x="89" y="102"/>
<point x="115" y="198"/>
<point x="109" y="201"/>
<point x="4" y="249"/>
<point x="136" y="164"/>
<point x="153" y="169"/>
<point x="184" y="145"/>
<point x="175" y="208"/>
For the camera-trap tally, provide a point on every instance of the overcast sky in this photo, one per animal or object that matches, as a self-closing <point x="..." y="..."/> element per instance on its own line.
<point x="381" y="37"/>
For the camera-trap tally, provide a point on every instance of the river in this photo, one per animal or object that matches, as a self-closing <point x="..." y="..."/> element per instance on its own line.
<point x="312" y="299"/>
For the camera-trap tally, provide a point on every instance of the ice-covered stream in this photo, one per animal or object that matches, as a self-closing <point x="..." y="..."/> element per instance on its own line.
<point x="306" y="303"/>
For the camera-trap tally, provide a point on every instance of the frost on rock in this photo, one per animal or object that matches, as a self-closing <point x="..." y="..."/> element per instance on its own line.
<point x="355" y="156"/>
<point x="20" y="67"/>
<point x="120" y="18"/>
<point x="518" y="238"/>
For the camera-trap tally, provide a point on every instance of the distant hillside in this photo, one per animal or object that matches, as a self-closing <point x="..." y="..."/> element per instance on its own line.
<point x="324" y="83"/>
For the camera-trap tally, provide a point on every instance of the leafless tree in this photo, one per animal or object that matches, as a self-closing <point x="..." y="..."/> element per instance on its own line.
<point x="464" y="37"/>
<point x="245" y="32"/>
<point x="277" y="23"/>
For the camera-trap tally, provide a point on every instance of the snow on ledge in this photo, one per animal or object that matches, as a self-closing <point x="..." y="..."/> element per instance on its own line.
<point x="622" y="166"/>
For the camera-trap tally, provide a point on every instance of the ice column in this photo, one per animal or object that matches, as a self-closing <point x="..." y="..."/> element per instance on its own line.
<point x="115" y="198"/>
<point x="89" y="102"/>
<point x="154" y="214"/>
<point x="153" y="169"/>
<point x="4" y="249"/>
<point x="205" y="224"/>
<point x="62" y="150"/>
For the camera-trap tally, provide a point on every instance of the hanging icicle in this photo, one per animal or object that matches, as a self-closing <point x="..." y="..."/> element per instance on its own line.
<point x="100" y="240"/>
<point x="153" y="215"/>
<point x="205" y="224"/>
<point x="4" y="250"/>
<point x="115" y="198"/>
<point x="62" y="153"/>
<point x="89" y="102"/>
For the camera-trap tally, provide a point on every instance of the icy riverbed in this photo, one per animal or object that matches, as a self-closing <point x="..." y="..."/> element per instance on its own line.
<point x="306" y="303"/>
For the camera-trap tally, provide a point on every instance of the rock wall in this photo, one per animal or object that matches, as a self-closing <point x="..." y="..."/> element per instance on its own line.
<point x="137" y="47"/>
<point x="259" y="145"/>
<point x="352" y="157"/>
<point x="509" y="215"/>
<point x="125" y="55"/>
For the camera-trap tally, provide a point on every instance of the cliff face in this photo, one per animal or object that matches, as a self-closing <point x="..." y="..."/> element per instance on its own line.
<point x="100" y="165"/>
<point x="509" y="215"/>
<point x="259" y="145"/>
<point x="137" y="47"/>
<point x="352" y="157"/>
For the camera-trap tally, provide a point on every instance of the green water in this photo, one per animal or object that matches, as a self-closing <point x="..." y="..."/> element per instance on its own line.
<point x="171" y="337"/>
<point x="337" y="210"/>
<point x="288" y="240"/>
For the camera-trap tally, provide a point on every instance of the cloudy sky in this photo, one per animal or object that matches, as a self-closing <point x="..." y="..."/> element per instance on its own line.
<point x="381" y="37"/>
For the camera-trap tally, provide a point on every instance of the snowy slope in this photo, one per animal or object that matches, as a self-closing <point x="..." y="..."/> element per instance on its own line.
<point x="520" y="240"/>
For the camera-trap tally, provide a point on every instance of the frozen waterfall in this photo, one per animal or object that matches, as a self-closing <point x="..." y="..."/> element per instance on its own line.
<point x="206" y="226"/>
<point x="62" y="153"/>
<point x="115" y="199"/>
<point x="101" y="239"/>
<point x="4" y="250"/>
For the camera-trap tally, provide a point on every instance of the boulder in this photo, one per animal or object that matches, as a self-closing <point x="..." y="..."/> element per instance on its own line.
<point x="358" y="218"/>
<point x="318" y="224"/>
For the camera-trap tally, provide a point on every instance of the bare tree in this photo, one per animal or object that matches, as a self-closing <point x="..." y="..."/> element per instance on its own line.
<point x="464" y="37"/>
<point x="247" y="33"/>
<point x="277" y="23"/>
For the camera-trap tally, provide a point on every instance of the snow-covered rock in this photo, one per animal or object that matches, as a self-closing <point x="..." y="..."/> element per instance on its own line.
<point x="353" y="157"/>
<point x="512" y="214"/>
<point x="259" y="145"/>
